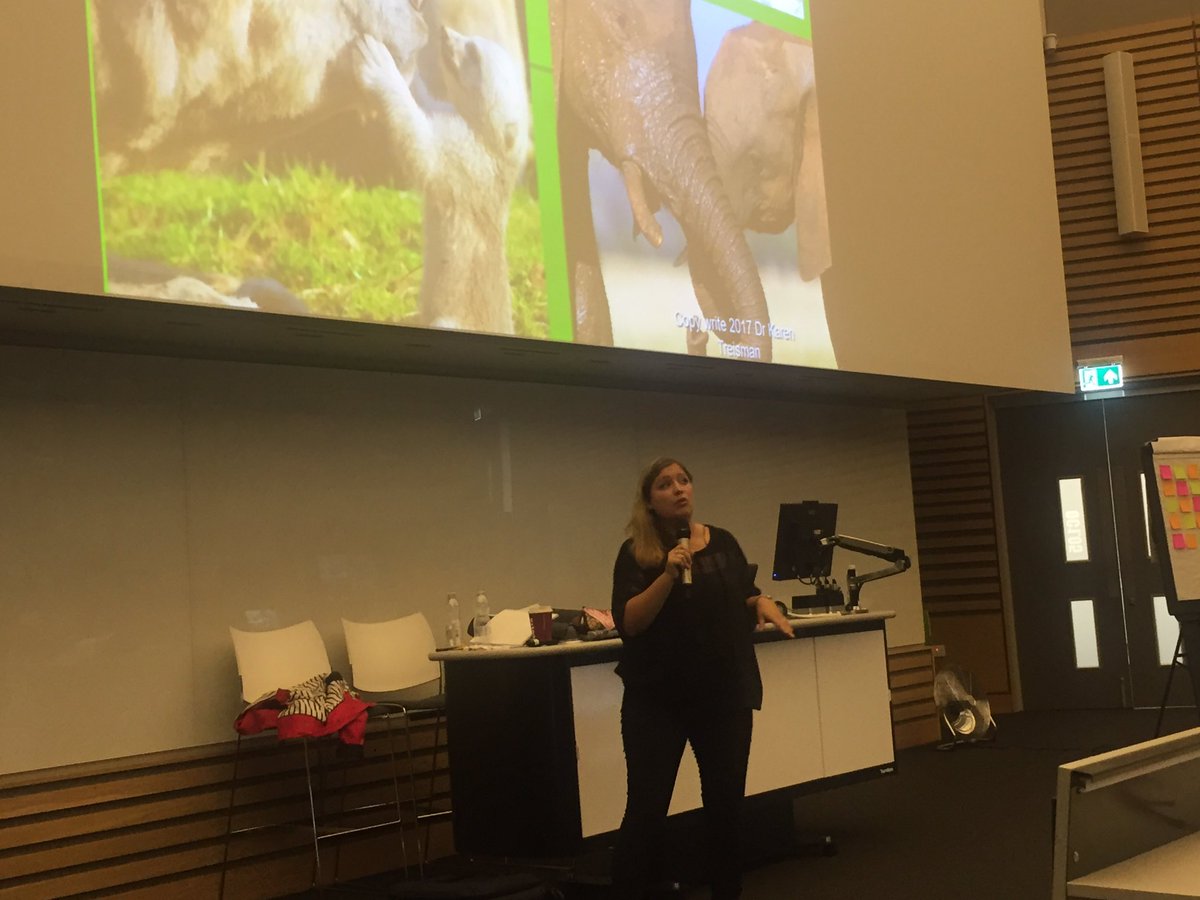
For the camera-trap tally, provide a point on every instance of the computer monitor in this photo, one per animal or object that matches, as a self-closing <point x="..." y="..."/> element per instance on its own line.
<point x="799" y="552"/>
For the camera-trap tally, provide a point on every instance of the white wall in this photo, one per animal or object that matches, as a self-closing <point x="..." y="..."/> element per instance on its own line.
<point x="150" y="503"/>
<point x="943" y="214"/>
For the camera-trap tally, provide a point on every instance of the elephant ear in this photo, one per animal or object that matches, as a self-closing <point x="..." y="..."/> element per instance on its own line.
<point x="812" y="212"/>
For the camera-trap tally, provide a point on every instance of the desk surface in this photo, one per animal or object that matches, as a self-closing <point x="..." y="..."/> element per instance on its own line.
<point x="827" y="622"/>
<point x="1169" y="872"/>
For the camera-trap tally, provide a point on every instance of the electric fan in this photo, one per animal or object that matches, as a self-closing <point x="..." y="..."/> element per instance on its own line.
<point x="963" y="708"/>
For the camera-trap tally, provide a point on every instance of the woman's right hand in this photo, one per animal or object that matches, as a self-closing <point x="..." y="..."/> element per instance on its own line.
<point x="678" y="559"/>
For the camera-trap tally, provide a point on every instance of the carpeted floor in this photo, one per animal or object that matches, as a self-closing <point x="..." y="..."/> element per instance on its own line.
<point x="973" y="823"/>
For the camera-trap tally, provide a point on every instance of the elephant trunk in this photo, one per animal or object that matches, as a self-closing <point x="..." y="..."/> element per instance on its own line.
<point x="680" y="168"/>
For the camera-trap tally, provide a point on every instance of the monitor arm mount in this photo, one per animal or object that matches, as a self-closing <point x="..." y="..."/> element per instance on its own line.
<point x="898" y="558"/>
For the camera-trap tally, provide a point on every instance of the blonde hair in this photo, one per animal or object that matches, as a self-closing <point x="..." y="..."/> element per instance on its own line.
<point x="648" y="547"/>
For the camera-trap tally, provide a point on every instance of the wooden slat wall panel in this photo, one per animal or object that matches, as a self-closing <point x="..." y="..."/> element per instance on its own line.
<point x="1137" y="297"/>
<point x="1129" y="295"/>
<point x="910" y="676"/>
<point x="154" y="826"/>
<point x="956" y="530"/>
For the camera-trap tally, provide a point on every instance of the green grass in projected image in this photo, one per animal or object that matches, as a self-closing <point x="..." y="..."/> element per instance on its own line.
<point x="349" y="252"/>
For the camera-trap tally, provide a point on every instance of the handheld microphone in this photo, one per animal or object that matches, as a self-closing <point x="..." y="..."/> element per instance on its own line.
<point x="684" y="539"/>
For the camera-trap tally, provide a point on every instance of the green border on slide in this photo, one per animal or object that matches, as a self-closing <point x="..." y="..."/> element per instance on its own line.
<point x="559" y="320"/>
<point x="91" y="30"/>
<point x="770" y="16"/>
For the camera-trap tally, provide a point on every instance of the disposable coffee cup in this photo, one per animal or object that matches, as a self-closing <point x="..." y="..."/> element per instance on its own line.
<point x="541" y="619"/>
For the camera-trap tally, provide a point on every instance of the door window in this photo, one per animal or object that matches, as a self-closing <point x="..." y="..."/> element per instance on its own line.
<point x="1166" y="628"/>
<point x="1146" y="519"/>
<point x="1074" y="524"/>
<point x="1083" y="627"/>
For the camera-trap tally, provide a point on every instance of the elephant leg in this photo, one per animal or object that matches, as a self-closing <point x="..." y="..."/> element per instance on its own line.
<point x="702" y="283"/>
<point x="589" y="301"/>
<point x="697" y="343"/>
<point x="705" y="282"/>
<point x="812" y="213"/>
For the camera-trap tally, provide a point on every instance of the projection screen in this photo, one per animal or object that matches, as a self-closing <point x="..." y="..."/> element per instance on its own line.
<point x="654" y="176"/>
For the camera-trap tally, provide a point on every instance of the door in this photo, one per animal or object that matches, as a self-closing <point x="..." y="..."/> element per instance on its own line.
<point x="1058" y="516"/>
<point x="1088" y="605"/>
<point x="1151" y="632"/>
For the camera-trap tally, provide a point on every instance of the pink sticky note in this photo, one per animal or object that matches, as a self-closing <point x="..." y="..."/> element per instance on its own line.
<point x="1177" y="541"/>
<point x="1181" y="487"/>
<point x="1165" y="473"/>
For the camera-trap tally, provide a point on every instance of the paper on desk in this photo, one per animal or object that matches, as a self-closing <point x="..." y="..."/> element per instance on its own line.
<point x="508" y="628"/>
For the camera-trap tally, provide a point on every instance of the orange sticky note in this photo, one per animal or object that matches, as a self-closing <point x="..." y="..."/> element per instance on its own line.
<point x="1190" y="537"/>
<point x="1168" y="489"/>
<point x="1185" y="504"/>
<point x="1176" y="524"/>
<point x="1193" y="471"/>
<point x="1177" y="541"/>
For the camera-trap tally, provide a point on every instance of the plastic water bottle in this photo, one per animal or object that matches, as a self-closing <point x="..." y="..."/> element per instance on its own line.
<point x="453" y="623"/>
<point x="482" y="617"/>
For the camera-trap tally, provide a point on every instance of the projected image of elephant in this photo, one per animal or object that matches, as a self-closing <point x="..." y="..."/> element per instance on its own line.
<point x="355" y="159"/>
<point x="200" y="85"/>
<point x="760" y="105"/>
<point x="627" y="82"/>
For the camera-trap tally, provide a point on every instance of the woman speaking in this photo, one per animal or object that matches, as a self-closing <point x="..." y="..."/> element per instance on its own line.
<point x="685" y="606"/>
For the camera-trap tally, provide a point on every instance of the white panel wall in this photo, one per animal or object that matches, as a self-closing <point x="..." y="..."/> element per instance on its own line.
<point x="150" y="503"/>
<point x="935" y="131"/>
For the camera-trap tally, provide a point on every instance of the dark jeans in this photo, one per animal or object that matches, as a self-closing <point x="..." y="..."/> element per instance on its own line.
<point x="654" y="730"/>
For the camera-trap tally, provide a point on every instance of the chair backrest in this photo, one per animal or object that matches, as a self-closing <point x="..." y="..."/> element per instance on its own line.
<point x="281" y="658"/>
<point x="392" y="655"/>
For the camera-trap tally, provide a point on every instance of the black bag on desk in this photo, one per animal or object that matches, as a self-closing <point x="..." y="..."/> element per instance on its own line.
<point x="504" y="886"/>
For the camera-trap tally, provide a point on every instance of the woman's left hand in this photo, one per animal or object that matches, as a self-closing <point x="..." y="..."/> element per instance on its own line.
<point x="769" y="613"/>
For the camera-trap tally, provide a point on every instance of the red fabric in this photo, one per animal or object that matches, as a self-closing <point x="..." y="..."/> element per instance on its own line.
<point x="348" y="720"/>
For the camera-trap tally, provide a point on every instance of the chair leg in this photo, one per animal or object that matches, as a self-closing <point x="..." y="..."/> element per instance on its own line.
<point x="341" y="811"/>
<point x="437" y="736"/>
<point x="312" y="808"/>
<point x="412" y="786"/>
<point x="396" y="791"/>
<point x="237" y="752"/>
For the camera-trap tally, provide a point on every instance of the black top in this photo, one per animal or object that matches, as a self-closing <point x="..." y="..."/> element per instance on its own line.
<point x="701" y="640"/>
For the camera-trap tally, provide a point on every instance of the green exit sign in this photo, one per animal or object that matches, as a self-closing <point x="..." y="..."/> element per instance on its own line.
<point x="1106" y="377"/>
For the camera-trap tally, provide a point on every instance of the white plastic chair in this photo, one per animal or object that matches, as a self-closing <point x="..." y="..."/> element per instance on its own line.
<point x="269" y="660"/>
<point x="388" y="660"/>
<point x="386" y="657"/>
<point x="266" y="662"/>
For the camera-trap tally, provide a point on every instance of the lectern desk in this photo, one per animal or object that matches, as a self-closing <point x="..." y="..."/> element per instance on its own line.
<point x="535" y="740"/>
